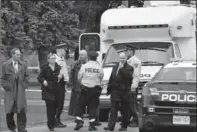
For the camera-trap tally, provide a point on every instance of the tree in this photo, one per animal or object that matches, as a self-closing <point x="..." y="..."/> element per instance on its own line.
<point x="38" y="25"/>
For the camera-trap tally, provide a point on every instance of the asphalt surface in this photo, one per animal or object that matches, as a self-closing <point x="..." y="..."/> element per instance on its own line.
<point x="71" y="125"/>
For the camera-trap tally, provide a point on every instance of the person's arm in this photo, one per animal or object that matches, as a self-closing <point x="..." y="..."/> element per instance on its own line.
<point x="127" y="73"/>
<point x="80" y="74"/>
<point x="136" y="75"/>
<point x="26" y="76"/>
<point x="64" y="71"/>
<point x="102" y="74"/>
<point x="72" y="74"/>
<point x="41" y="76"/>
<point x="5" y="84"/>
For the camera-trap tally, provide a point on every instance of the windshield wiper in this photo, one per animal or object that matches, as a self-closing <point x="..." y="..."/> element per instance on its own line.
<point x="152" y="62"/>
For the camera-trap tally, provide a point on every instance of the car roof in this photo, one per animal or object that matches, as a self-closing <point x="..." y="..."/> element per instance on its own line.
<point x="181" y="64"/>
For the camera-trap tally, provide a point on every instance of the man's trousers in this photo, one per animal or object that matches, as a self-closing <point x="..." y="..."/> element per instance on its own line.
<point x="89" y="98"/>
<point x="60" y="102"/>
<point x="21" y="120"/>
<point x="123" y="107"/>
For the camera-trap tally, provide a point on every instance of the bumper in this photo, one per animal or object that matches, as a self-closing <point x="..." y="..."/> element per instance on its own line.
<point x="105" y="102"/>
<point x="152" y="122"/>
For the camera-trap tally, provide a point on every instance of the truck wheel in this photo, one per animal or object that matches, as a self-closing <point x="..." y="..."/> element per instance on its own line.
<point x="103" y="114"/>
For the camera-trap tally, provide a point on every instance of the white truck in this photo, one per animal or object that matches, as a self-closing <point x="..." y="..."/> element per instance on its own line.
<point x="158" y="33"/>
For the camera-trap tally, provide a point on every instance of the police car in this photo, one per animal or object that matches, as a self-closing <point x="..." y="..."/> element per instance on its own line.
<point x="169" y="100"/>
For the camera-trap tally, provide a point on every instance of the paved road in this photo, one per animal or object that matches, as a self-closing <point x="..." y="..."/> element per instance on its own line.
<point x="71" y="125"/>
<point x="36" y="108"/>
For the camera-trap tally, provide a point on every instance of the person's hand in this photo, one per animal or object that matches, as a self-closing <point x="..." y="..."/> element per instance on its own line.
<point x="45" y="83"/>
<point x="60" y="76"/>
<point x="121" y="65"/>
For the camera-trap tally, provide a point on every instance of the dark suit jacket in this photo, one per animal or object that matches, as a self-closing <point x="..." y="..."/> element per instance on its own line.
<point x="121" y="82"/>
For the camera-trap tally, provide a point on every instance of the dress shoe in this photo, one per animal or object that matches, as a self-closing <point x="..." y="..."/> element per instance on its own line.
<point x="60" y="125"/>
<point x="51" y="129"/>
<point x="97" y="123"/>
<point x="79" y="125"/>
<point x="122" y="129"/>
<point x="92" y="128"/>
<point x="108" y="129"/>
<point x="133" y="124"/>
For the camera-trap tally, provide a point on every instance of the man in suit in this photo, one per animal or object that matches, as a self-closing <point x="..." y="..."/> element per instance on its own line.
<point x="14" y="80"/>
<point x="119" y="87"/>
<point x="135" y="62"/>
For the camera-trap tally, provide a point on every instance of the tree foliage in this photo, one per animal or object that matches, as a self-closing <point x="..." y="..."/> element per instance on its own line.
<point x="32" y="25"/>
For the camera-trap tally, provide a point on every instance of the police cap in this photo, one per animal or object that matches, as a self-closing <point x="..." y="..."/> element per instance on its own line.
<point x="130" y="47"/>
<point x="92" y="54"/>
<point x="61" y="46"/>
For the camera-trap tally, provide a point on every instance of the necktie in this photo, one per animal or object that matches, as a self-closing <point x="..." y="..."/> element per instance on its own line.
<point x="15" y="67"/>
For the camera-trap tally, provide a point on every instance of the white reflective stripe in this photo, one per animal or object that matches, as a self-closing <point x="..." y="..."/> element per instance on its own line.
<point x="176" y="92"/>
<point x="78" y="118"/>
<point x="92" y="120"/>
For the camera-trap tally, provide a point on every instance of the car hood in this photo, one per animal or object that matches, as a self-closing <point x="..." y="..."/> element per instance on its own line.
<point x="148" y="72"/>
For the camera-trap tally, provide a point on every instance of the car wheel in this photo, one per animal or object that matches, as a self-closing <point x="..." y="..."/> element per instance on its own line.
<point x="103" y="114"/>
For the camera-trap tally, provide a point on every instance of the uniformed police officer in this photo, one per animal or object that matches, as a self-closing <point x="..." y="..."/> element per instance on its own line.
<point x="60" y="60"/>
<point x="136" y="64"/>
<point x="90" y="77"/>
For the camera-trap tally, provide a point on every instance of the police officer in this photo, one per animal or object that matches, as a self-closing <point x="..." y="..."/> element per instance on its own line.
<point x="60" y="60"/>
<point x="90" y="77"/>
<point x="136" y="64"/>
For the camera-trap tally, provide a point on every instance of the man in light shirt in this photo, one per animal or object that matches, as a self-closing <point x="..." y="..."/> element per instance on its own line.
<point x="136" y="64"/>
<point x="60" y="60"/>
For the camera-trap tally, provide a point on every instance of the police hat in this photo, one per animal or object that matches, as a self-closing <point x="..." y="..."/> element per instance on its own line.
<point x="92" y="54"/>
<point x="61" y="46"/>
<point x="130" y="47"/>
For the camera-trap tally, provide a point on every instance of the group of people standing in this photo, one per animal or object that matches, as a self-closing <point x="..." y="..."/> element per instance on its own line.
<point x="86" y="79"/>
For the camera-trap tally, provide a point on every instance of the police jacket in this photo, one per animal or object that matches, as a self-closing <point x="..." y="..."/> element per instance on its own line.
<point x="136" y="64"/>
<point x="64" y="69"/>
<point x="91" y="74"/>
<point x="50" y="91"/>
<point x="121" y="80"/>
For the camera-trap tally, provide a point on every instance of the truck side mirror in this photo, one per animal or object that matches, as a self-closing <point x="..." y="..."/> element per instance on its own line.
<point x="103" y="55"/>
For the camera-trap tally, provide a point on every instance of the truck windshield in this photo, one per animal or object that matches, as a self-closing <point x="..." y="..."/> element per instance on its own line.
<point x="150" y="53"/>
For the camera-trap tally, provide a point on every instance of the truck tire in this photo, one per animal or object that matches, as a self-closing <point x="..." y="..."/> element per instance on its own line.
<point x="103" y="114"/>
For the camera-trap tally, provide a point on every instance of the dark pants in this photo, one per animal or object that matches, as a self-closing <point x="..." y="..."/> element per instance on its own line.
<point x="132" y="109"/>
<point x="60" y="102"/>
<point x="21" y="121"/>
<point x="89" y="98"/>
<point x="73" y="102"/>
<point x="51" y="107"/>
<point x="123" y="106"/>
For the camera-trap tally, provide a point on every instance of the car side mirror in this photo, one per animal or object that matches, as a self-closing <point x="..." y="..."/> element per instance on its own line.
<point x="103" y="55"/>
